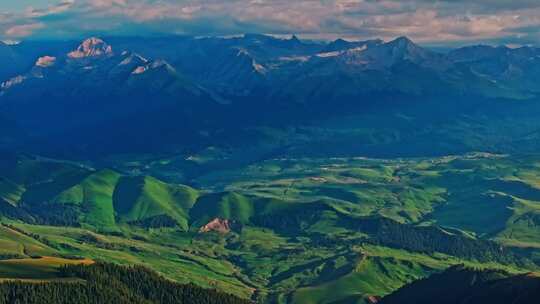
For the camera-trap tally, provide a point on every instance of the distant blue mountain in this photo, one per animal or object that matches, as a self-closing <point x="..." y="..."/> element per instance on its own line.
<point x="114" y="95"/>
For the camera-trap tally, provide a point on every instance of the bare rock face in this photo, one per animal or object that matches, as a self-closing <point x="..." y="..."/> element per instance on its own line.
<point x="91" y="47"/>
<point x="217" y="225"/>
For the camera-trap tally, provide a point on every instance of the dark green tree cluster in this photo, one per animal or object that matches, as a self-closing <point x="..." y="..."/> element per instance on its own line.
<point x="107" y="283"/>
<point x="295" y="219"/>
<point x="56" y="214"/>
<point x="9" y="211"/>
<point x="158" y="221"/>
<point x="387" y="232"/>
<point x="433" y="239"/>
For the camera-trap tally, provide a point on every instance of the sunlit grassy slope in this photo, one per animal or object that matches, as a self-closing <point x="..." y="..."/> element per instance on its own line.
<point x="138" y="198"/>
<point x="94" y="194"/>
<point x="39" y="269"/>
<point x="101" y="199"/>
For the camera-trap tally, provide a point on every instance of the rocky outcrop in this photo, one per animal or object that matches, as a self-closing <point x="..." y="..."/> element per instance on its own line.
<point x="217" y="225"/>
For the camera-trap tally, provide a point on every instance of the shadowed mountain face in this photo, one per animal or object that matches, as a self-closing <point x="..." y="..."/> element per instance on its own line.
<point x="461" y="285"/>
<point x="96" y="96"/>
<point x="179" y="94"/>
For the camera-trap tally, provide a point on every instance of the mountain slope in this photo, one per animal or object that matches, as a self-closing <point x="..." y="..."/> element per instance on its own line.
<point x="97" y="97"/>
<point x="52" y="192"/>
<point x="94" y="196"/>
<point x="462" y="285"/>
<point x="143" y="198"/>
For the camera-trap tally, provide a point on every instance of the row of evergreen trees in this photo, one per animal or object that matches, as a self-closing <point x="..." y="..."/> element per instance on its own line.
<point x="103" y="283"/>
<point x="387" y="232"/>
<point x="432" y="239"/>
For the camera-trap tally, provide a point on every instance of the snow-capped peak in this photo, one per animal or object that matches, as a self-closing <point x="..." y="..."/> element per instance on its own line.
<point x="46" y="61"/>
<point x="91" y="47"/>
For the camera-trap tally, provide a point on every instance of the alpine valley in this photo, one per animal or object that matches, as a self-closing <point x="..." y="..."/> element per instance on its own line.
<point x="262" y="169"/>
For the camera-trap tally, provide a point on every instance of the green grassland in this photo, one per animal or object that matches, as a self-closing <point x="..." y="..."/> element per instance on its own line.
<point x="36" y="269"/>
<point x="254" y="263"/>
<point x="305" y="230"/>
<point x="486" y="195"/>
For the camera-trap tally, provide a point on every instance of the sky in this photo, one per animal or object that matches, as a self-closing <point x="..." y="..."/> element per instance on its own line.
<point x="440" y="22"/>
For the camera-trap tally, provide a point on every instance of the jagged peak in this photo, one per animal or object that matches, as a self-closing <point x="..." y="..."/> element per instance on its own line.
<point x="402" y="42"/>
<point x="91" y="47"/>
<point x="341" y="45"/>
<point x="131" y="58"/>
<point x="242" y="52"/>
<point x="340" y="40"/>
<point x="405" y="47"/>
<point x="161" y="63"/>
<point x="154" y="65"/>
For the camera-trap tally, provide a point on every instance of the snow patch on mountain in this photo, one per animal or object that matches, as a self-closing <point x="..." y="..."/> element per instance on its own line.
<point x="13" y="82"/>
<point x="259" y="68"/>
<point x="329" y="54"/>
<point x="294" y="58"/>
<point x="46" y="61"/>
<point x="338" y="53"/>
<point x="153" y="66"/>
<point x="140" y="70"/>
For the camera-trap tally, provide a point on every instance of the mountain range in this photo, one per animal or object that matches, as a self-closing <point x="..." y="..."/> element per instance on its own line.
<point x="186" y="94"/>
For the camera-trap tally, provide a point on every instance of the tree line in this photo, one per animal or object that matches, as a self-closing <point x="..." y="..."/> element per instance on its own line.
<point x="104" y="283"/>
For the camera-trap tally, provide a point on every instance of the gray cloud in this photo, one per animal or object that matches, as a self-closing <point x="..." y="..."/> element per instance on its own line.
<point x="436" y="22"/>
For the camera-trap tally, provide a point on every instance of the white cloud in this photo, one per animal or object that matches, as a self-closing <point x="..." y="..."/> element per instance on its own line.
<point x="23" y="30"/>
<point x="51" y="9"/>
<point x="427" y="21"/>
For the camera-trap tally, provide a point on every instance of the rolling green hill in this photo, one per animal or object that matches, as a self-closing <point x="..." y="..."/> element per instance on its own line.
<point x="343" y="230"/>
<point x="63" y="193"/>
<point x="93" y="196"/>
<point x="142" y="198"/>
<point x="231" y="206"/>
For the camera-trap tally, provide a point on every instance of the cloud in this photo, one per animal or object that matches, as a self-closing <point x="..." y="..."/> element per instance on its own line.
<point x="441" y="21"/>
<point x="23" y="30"/>
<point x="50" y="10"/>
